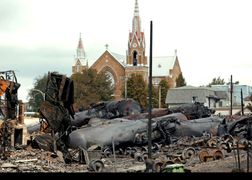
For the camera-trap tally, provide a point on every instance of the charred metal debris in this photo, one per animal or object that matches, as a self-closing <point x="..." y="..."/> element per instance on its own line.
<point x="117" y="130"/>
<point x="12" y="129"/>
<point x="57" y="110"/>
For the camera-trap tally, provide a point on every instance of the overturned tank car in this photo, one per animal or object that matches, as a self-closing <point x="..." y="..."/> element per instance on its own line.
<point x="194" y="110"/>
<point x="107" y="110"/>
<point x="123" y="132"/>
<point x="242" y="127"/>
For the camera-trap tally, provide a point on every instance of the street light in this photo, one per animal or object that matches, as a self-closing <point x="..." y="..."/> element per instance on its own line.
<point x="42" y="93"/>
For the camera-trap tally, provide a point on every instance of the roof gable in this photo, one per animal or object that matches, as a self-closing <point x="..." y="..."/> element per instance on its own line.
<point x="120" y="58"/>
<point x="162" y="65"/>
<point x="116" y="57"/>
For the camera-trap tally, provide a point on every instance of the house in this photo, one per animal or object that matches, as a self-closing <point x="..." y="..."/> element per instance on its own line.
<point x="189" y="94"/>
<point x="236" y="95"/>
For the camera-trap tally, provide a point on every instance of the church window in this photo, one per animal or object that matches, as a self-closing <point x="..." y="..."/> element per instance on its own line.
<point x="111" y="78"/>
<point x="78" y="68"/>
<point x="134" y="58"/>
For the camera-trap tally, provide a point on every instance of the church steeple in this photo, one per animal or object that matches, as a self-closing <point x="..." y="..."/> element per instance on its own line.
<point x="136" y="59"/>
<point x="136" y="12"/>
<point x="136" y="44"/>
<point x="136" y="23"/>
<point x="80" y="59"/>
<point x="80" y="49"/>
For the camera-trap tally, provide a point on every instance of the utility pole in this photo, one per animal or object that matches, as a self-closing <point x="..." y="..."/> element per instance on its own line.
<point x="150" y="97"/>
<point x="159" y="97"/>
<point x="242" y="109"/>
<point x="231" y="96"/>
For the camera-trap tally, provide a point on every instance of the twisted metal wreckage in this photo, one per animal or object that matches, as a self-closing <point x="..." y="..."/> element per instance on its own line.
<point x="177" y="133"/>
<point x="10" y="128"/>
<point x="121" y="123"/>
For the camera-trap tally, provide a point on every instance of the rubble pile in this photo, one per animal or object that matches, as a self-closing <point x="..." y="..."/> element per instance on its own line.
<point x="32" y="160"/>
<point x="113" y="136"/>
<point x="36" y="160"/>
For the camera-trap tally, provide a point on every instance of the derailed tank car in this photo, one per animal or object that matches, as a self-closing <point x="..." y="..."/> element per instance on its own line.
<point x="122" y="131"/>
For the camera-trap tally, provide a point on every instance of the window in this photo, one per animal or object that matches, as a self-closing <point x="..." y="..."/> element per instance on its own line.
<point x="134" y="58"/>
<point x="78" y="68"/>
<point x="111" y="78"/>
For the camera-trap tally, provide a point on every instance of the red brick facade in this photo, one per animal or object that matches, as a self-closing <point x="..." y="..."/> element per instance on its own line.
<point x="135" y="61"/>
<point x="107" y="62"/>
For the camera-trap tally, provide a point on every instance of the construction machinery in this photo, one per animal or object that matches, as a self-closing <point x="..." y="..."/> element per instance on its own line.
<point x="12" y="129"/>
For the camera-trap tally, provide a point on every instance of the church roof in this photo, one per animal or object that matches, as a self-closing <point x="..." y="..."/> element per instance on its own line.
<point x="120" y="58"/>
<point x="162" y="65"/>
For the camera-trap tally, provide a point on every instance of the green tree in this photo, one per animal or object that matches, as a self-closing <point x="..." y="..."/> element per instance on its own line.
<point x="91" y="87"/>
<point x="163" y="85"/>
<point x="155" y="96"/>
<point x="35" y="97"/>
<point x="180" y="81"/>
<point x="137" y="89"/>
<point x="216" y="81"/>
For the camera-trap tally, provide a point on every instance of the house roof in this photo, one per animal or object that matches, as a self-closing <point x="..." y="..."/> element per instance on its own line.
<point x="162" y="65"/>
<point x="185" y="94"/>
<point x="222" y="94"/>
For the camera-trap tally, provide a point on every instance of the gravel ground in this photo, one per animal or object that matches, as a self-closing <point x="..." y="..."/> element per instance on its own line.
<point x="35" y="160"/>
<point x="228" y="164"/>
<point x="30" y="160"/>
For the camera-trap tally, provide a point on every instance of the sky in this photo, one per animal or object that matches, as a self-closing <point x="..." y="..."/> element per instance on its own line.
<point x="213" y="37"/>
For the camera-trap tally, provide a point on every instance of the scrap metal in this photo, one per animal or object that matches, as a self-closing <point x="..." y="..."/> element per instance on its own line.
<point x="107" y="110"/>
<point x="8" y="88"/>
<point x="57" y="110"/>
<point x="165" y="128"/>
<point x="194" y="110"/>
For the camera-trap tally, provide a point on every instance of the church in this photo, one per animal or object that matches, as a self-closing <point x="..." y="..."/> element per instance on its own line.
<point x="120" y="67"/>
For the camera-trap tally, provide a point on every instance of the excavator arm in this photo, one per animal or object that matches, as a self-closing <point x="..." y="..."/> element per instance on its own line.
<point x="3" y="85"/>
<point x="9" y="88"/>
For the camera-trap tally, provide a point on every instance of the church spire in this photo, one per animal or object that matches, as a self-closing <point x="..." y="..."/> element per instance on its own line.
<point x="136" y="12"/>
<point x="136" y="20"/>
<point x="80" y="60"/>
<point x="80" y="49"/>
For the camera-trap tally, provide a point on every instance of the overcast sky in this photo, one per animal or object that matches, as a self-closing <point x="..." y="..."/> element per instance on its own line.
<point x="213" y="37"/>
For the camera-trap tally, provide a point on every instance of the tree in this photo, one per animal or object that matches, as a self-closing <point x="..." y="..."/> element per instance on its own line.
<point x="163" y="85"/>
<point x="155" y="96"/>
<point x="35" y="98"/>
<point x="91" y="87"/>
<point x="137" y="90"/>
<point x="180" y="81"/>
<point x="216" y="81"/>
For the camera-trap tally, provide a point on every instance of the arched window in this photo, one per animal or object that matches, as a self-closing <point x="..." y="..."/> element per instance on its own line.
<point x="111" y="78"/>
<point x="78" y="68"/>
<point x="135" y="58"/>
